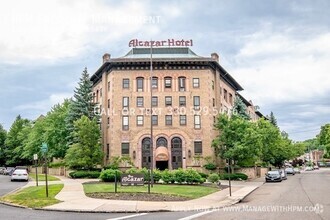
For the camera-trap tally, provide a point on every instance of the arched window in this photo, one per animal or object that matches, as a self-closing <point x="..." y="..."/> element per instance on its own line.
<point x="161" y="142"/>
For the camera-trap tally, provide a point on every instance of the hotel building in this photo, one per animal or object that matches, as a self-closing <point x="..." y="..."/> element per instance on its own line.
<point x="188" y="92"/>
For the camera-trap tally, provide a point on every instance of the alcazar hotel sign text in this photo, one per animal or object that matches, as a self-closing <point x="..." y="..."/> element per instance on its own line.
<point x="162" y="43"/>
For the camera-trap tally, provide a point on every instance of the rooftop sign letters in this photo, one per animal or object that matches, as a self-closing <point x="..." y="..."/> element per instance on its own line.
<point x="162" y="43"/>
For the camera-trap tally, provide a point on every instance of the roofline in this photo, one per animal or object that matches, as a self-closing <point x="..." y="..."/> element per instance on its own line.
<point x="247" y="103"/>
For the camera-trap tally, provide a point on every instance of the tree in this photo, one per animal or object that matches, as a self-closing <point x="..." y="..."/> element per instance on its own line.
<point x="324" y="139"/>
<point x="81" y="104"/>
<point x="14" y="144"/>
<point x="238" y="140"/>
<point x="240" y="109"/>
<point x="3" y="134"/>
<point x="86" y="152"/>
<point x="272" y="119"/>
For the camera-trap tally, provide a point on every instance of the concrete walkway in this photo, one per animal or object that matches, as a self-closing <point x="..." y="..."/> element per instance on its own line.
<point x="74" y="199"/>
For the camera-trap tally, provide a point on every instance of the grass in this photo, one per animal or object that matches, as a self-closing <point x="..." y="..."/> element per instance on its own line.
<point x="192" y="192"/>
<point x="35" y="196"/>
<point x="41" y="177"/>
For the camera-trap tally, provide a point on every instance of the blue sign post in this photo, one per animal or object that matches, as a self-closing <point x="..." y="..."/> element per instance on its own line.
<point x="44" y="149"/>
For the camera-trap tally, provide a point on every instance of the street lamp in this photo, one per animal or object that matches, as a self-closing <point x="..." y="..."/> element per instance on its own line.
<point x="151" y="179"/>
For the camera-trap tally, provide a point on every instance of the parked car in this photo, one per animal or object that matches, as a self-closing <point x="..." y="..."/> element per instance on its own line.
<point x="273" y="176"/>
<point x="20" y="175"/>
<point x="22" y="168"/>
<point x="2" y="170"/>
<point x="289" y="170"/>
<point x="308" y="168"/>
<point x="296" y="170"/>
<point x="9" y="171"/>
<point x="283" y="175"/>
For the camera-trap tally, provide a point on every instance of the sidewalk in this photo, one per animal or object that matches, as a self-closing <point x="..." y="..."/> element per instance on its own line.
<point x="74" y="199"/>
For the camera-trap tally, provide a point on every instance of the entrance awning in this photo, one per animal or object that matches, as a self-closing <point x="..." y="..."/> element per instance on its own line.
<point x="161" y="154"/>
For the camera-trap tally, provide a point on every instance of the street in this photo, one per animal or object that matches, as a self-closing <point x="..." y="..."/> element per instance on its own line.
<point x="271" y="201"/>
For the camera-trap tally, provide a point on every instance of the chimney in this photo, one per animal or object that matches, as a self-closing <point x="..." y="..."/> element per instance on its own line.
<point x="215" y="56"/>
<point x="106" y="57"/>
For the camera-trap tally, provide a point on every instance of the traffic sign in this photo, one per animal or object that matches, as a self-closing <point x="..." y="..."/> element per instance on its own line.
<point x="44" y="148"/>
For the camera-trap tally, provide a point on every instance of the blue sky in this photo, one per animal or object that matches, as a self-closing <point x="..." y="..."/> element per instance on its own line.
<point x="279" y="51"/>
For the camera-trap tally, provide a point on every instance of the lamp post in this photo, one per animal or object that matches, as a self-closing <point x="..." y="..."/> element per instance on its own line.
<point x="151" y="125"/>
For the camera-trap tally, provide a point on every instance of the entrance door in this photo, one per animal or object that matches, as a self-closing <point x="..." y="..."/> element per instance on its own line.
<point x="146" y="154"/>
<point x="176" y="150"/>
<point x="162" y="165"/>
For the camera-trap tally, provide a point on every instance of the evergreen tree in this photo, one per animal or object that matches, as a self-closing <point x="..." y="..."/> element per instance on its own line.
<point x="81" y="104"/>
<point x="272" y="119"/>
<point x="240" y="109"/>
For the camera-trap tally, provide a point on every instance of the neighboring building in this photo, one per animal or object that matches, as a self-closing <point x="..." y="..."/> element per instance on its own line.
<point x="188" y="93"/>
<point x="251" y="109"/>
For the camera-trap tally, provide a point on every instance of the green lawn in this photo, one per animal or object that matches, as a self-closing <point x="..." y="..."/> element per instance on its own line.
<point x="41" y="177"/>
<point x="35" y="196"/>
<point x="192" y="192"/>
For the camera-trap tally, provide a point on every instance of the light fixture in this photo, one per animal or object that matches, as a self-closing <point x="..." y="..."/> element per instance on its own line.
<point x="189" y="153"/>
<point x="134" y="154"/>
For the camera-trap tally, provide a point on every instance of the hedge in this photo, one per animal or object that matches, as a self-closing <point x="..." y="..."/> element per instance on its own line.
<point x="84" y="174"/>
<point x="109" y="175"/>
<point x="233" y="176"/>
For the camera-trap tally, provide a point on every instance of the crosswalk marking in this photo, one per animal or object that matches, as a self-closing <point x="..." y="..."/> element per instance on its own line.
<point x="128" y="216"/>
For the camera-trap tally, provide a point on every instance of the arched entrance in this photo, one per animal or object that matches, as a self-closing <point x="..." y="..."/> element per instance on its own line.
<point x="146" y="154"/>
<point x="161" y="154"/>
<point x="176" y="151"/>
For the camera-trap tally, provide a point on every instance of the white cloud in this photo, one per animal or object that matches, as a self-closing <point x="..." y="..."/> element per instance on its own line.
<point x="51" y="30"/>
<point x="276" y="68"/>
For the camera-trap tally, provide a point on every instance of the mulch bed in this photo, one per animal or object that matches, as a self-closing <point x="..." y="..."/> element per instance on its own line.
<point x="138" y="196"/>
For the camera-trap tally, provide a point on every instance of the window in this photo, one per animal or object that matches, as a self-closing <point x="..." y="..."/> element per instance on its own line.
<point x="214" y="120"/>
<point x="230" y="98"/>
<point x="108" y="121"/>
<point x="198" y="147"/>
<point x="161" y="142"/>
<point x="195" y="82"/>
<point x="139" y="120"/>
<point x="155" y="120"/>
<point x="108" y="103"/>
<point x="225" y="94"/>
<point x="139" y="101"/>
<point x="168" y="119"/>
<point x="168" y="82"/>
<point x="154" y="101"/>
<point x="213" y="102"/>
<point x="196" y="102"/>
<point x="182" y="84"/>
<point x="108" y="151"/>
<point x="109" y="86"/>
<point x="94" y="97"/>
<point x="97" y="95"/>
<point x="124" y="148"/>
<point x="125" y="123"/>
<point x="212" y="84"/>
<point x="125" y="83"/>
<point x="168" y="100"/>
<point x="197" y="121"/>
<point x="182" y="101"/>
<point x="100" y="92"/>
<point x="125" y="102"/>
<point x="154" y="82"/>
<point x="139" y="84"/>
<point x="183" y="119"/>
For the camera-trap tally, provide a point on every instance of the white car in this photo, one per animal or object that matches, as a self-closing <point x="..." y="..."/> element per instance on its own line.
<point x="20" y="175"/>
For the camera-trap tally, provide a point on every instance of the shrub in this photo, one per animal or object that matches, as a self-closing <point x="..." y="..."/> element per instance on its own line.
<point x="84" y="174"/>
<point x="210" y="166"/>
<point x="204" y="175"/>
<point x="192" y="176"/>
<point x="109" y="175"/>
<point x="179" y="176"/>
<point x="213" y="178"/>
<point x="233" y="176"/>
<point x="157" y="175"/>
<point x="167" y="176"/>
<point x="56" y="164"/>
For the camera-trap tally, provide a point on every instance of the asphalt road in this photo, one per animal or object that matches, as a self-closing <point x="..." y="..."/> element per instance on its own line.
<point x="7" y="186"/>
<point x="303" y="196"/>
<point x="302" y="191"/>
